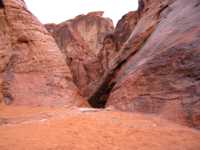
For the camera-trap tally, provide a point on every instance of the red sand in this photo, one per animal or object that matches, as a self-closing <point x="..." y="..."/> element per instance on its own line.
<point x="23" y="128"/>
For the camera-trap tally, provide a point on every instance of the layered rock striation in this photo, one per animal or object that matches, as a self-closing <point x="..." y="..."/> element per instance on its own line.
<point x="80" y="40"/>
<point x="156" y="69"/>
<point x="33" y="71"/>
<point x="150" y="63"/>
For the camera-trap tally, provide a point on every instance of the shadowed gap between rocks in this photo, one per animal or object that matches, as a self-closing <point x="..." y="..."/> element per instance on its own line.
<point x="1" y="4"/>
<point x="98" y="97"/>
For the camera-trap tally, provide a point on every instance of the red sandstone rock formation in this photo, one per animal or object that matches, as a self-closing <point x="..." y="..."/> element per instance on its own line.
<point x="125" y="27"/>
<point x="33" y="71"/>
<point x="81" y="39"/>
<point x="113" y="42"/>
<point x="151" y="63"/>
<point x="157" y="69"/>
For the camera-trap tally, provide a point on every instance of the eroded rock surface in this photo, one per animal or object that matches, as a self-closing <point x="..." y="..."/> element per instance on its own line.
<point x="81" y="39"/>
<point x="157" y="69"/>
<point x="33" y="71"/>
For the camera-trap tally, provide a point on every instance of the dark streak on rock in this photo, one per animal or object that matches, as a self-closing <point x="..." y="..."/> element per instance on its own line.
<point x="8" y="77"/>
<point x="196" y="5"/>
<point x="99" y="98"/>
<point x="141" y="5"/>
<point x="2" y="4"/>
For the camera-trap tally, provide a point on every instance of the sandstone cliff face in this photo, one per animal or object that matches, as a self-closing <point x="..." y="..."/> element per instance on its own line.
<point x="125" y="27"/>
<point x="113" y="42"/>
<point x="81" y="39"/>
<point x="157" y="69"/>
<point x="150" y="63"/>
<point x="32" y="68"/>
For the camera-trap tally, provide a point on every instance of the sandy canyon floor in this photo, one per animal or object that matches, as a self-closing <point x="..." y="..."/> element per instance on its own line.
<point x="40" y="128"/>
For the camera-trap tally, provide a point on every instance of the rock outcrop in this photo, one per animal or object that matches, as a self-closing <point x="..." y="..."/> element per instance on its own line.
<point x="149" y="64"/>
<point x="81" y="39"/>
<point x="125" y="27"/>
<point x="113" y="42"/>
<point x="33" y="71"/>
<point x="157" y="70"/>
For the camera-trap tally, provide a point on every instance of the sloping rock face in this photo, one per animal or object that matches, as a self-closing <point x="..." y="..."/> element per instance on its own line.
<point x="113" y="42"/>
<point x="81" y="39"/>
<point x="157" y="69"/>
<point x="33" y="71"/>
<point x="124" y="28"/>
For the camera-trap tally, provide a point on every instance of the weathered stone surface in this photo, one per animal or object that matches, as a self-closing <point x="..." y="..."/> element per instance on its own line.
<point x="125" y="27"/>
<point x="33" y="71"/>
<point x="1" y="4"/>
<point x="157" y="70"/>
<point x="113" y="42"/>
<point x="81" y="39"/>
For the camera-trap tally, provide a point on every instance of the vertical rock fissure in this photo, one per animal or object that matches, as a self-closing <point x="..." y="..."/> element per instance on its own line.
<point x="8" y="77"/>
<point x="98" y="97"/>
<point x="2" y="4"/>
<point x="8" y="70"/>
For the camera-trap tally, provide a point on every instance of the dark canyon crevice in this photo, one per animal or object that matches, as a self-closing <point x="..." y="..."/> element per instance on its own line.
<point x="99" y="95"/>
<point x="135" y="66"/>
<point x="149" y="63"/>
<point x="2" y="4"/>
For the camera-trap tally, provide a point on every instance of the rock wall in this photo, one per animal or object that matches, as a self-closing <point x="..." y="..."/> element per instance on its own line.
<point x="33" y="71"/>
<point x="150" y="63"/>
<point x="81" y="40"/>
<point x="157" y="69"/>
<point x="113" y="42"/>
